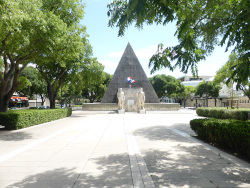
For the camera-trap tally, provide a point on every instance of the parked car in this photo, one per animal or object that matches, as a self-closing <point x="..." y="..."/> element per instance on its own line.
<point x="62" y="106"/>
<point x="44" y="107"/>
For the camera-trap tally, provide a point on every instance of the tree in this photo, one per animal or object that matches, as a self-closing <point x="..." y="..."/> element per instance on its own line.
<point x="201" y="25"/>
<point x="36" y="84"/>
<point x="186" y="94"/>
<point x="32" y="30"/>
<point x="226" y="72"/>
<point x="210" y="89"/>
<point x="161" y="83"/>
<point x="53" y="67"/>
<point x="94" y="80"/>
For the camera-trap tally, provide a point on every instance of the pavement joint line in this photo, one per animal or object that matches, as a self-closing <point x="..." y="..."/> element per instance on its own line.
<point x="223" y="154"/>
<point x="140" y="173"/>
<point x="29" y="146"/>
<point x="33" y="144"/>
<point x="92" y="151"/>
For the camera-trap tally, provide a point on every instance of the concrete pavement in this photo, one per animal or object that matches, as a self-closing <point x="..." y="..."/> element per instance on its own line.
<point x="103" y="149"/>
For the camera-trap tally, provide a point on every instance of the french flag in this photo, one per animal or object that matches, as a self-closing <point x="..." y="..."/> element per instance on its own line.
<point x="130" y="80"/>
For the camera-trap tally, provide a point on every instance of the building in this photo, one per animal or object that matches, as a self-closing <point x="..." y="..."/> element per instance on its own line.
<point x="225" y="96"/>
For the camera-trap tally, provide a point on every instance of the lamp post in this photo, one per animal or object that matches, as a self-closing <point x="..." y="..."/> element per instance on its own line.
<point x="232" y="91"/>
<point x="61" y="96"/>
<point x="207" y="93"/>
<point x="166" y="95"/>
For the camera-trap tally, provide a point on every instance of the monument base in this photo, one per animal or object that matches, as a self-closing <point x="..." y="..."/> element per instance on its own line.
<point x="142" y="111"/>
<point x="121" y="111"/>
<point x="114" y="106"/>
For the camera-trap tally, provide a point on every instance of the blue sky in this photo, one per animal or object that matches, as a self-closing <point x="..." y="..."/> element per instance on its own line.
<point x="108" y="47"/>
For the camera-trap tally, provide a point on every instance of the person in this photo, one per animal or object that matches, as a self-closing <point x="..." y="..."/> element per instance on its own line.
<point x="121" y="99"/>
<point x="141" y="99"/>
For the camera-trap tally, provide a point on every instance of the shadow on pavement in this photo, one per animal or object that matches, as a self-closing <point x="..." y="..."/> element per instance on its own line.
<point x="155" y="133"/>
<point x="15" y="136"/>
<point x="111" y="171"/>
<point x="186" y="167"/>
<point x="175" y="161"/>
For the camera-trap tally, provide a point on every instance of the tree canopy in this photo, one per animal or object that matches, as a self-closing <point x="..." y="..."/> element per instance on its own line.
<point x="162" y="83"/>
<point x="38" y="30"/>
<point x="186" y="94"/>
<point x="200" y="26"/>
<point x="226" y="72"/>
<point x="95" y="81"/>
<point x="35" y="83"/>
<point x="210" y="88"/>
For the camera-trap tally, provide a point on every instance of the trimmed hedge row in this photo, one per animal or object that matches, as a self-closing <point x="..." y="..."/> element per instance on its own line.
<point x="17" y="119"/>
<point x="224" y="113"/>
<point x="229" y="134"/>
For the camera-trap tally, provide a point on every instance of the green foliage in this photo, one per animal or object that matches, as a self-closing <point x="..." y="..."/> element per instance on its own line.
<point x="161" y="83"/>
<point x="17" y="119"/>
<point x="228" y="71"/>
<point x="211" y="89"/>
<point x="96" y="82"/>
<point x="224" y="113"/>
<point x="24" y="82"/>
<point x="36" y="84"/>
<point x="229" y="134"/>
<point x="186" y="94"/>
<point x="200" y="26"/>
<point x="44" y="31"/>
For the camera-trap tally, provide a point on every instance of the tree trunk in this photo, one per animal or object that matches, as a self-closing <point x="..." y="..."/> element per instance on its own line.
<point x="7" y="89"/>
<point x="52" y="96"/>
<point x="4" y="104"/>
<point x="52" y="88"/>
<point x="52" y="103"/>
<point x="43" y="99"/>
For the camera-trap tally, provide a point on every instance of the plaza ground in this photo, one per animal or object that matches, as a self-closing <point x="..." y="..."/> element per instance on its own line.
<point x="105" y="149"/>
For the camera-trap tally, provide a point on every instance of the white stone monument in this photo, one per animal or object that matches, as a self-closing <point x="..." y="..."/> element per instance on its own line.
<point x="121" y="99"/>
<point x="141" y="101"/>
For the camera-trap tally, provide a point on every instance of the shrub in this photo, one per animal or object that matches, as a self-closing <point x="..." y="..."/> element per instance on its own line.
<point x="223" y="113"/>
<point x="229" y="134"/>
<point x="17" y="119"/>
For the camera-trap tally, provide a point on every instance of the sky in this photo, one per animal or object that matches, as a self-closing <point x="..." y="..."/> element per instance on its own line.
<point x="108" y="47"/>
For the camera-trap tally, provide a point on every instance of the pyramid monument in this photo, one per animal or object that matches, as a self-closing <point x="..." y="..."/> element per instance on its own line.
<point x="129" y="66"/>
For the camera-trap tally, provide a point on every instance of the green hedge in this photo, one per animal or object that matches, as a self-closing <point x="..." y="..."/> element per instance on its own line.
<point x="224" y="113"/>
<point x="17" y="119"/>
<point x="229" y="134"/>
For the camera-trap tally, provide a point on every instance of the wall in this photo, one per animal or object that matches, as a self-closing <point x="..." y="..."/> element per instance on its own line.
<point x="99" y="106"/>
<point x="38" y="102"/>
<point x="243" y="102"/>
<point x="113" y="106"/>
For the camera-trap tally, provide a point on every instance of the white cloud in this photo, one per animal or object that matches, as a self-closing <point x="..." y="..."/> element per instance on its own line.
<point x="116" y="54"/>
<point x="110" y="66"/>
<point x="146" y="53"/>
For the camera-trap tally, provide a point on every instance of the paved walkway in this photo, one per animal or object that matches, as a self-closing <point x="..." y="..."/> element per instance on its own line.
<point x="115" y="150"/>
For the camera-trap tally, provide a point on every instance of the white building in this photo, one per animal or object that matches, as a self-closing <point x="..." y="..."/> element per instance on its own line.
<point x="225" y="92"/>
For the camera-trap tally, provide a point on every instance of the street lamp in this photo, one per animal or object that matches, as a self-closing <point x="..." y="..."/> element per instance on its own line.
<point x="207" y="93"/>
<point x="166" y="95"/>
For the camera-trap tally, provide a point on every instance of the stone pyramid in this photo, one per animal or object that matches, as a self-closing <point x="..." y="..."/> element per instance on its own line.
<point x="129" y="66"/>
